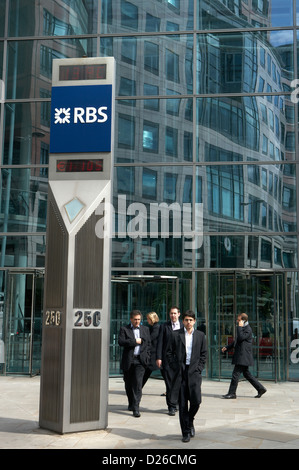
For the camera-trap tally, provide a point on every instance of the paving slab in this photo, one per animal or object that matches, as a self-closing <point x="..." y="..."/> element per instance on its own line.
<point x="271" y="422"/>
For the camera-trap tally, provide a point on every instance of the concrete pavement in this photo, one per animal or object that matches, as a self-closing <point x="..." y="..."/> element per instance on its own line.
<point x="271" y="422"/>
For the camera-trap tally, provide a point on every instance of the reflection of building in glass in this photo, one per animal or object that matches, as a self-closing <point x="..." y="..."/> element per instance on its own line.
<point x="204" y="115"/>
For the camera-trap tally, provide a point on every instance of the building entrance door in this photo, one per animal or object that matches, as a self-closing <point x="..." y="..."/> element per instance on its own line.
<point x="262" y="297"/>
<point x="23" y="322"/>
<point x="147" y="293"/>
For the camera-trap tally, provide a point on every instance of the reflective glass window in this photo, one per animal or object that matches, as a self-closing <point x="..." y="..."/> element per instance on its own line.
<point x="153" y="130"/>
<point x="151" y="252"/>
<point x="2" y="16"/>
<point x="153" y="217"/>
<point x="220" y="294"/>
<point x="150" y="137"/>
<point x="2" y="93"/>
<point x="233" y="62"/>
<point x="23" y="200"/>
<point x="27" y="133"/>
<point x="170" y="187"/>
<point x="235" y="14"/>
<point x="161" y="61"/>
<point x="29" y="71"/>
<point x="171" y="141"/>
<point x="152" y="23"/>
<point x="130" y="288"/>
<point x="297" y="11"/>
<point x="296" y="97"/>
<point x="125" y="182"/>
<point x="293" y="326"/>
<point x="245" y="128"/>
<point x="146" y="16"/>
<point x="129" y="50"/>
<point x="73" y="17"/>
<point x="23" y="251"/>
<point x="172" y="66"/>
<point x="152" y="90"/>
<point x="239" y="198"/>
<point x="225" y="252"/>
<point x="127" y="87"/>
<point x="126" y="132"/>
<point x="149" y="183"/>
<point x="247" y="251"/>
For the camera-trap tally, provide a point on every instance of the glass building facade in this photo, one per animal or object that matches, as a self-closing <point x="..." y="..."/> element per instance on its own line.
<point x="206" y="164"/>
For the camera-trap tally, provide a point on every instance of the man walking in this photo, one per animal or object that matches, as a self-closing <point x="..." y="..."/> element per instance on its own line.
<point x="136" y="341"/>
<point x="165" y="332"/>
<point x="242" y="358"/>
<point x="186" y="355"/>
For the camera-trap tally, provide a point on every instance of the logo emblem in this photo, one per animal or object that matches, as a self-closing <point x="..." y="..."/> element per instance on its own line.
<point x="81" y="119"/>
<point x="62" y="115"/>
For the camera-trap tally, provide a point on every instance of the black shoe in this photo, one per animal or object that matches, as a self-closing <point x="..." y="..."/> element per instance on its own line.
<point x="186" y="438"/>
<point x="261" y="392"/>
<point x="136" y="414"/>
<point x="192" y="431"/>
<point x="229" y="395"/>
<point x="171" y="411"/>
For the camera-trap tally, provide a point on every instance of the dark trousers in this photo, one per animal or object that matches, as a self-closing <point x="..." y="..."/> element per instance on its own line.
<point x="133" y="378"/>
<point x="186" y="413"/>
<point x="167" y="379"/>
<point x="238" y="370"/>
<point x="146" y="376"/>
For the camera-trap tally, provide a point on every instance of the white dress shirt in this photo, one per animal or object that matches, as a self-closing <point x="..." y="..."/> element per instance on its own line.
<point x="136" y="332"/>
<point x="188" y="342"/>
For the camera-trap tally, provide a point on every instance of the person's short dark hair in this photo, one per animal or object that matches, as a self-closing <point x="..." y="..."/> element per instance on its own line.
<point x="177" y="308"/>
<point x="134" y="313"/>
<point x="189" y="313"/>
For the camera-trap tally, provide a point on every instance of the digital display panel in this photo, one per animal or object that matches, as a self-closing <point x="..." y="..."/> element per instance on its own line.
<point x="79" y="166"/>
<point x="82" y="72"/>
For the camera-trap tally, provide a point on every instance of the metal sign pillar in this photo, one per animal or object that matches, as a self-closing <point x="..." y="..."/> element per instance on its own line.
<point x="76" y="317"/>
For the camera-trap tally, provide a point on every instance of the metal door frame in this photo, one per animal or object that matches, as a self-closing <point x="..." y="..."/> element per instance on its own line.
<point x="9" y="276"/>
<point x="249" y="276"/>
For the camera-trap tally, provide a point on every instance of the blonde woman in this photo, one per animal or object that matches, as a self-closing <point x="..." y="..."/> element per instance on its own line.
<point x="154" y="327"/>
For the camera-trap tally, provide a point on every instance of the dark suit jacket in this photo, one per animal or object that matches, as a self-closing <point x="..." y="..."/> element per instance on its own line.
<point x="176" y="356"/>
<point x="164" y="335"/>
<point x="154" y="334"/>
<point x="243" y="346"/>
<point x="127" y="340"/>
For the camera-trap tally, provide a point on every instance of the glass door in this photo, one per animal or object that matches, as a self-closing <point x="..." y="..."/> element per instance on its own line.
<point x="146" y="293"/>
<point x="23" y="322"/>
<point x="262" y="297"/>
<point x="293" y="326"/>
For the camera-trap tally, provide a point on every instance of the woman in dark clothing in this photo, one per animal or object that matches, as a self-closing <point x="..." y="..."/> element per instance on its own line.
<point x="242" y="358"/>
<point x="153" y="322"/>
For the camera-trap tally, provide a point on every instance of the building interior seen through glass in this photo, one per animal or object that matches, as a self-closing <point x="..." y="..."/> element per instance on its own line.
<point x="205" y="173"/>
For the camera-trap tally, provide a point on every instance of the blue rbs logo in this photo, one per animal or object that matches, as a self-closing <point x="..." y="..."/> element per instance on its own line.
<point x="81" y="119"/>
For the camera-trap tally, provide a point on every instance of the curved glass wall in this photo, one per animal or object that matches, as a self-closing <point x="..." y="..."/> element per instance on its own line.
<point x="206" y="155"/>
<point x="67" y="18"/>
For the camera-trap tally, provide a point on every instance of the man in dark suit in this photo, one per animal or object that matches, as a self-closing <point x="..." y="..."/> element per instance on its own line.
<point x="242" y="358"/>
<point x="166" y="330"/>
<point x="136" y="341"/>
<point x="186" y="354"/>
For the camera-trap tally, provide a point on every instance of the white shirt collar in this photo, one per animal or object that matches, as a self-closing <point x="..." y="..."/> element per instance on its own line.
<point x="186" y="332"/>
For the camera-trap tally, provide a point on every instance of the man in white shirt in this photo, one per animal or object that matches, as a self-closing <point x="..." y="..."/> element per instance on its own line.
<point x="165" y="333"/>
<point x="186" y="354"/>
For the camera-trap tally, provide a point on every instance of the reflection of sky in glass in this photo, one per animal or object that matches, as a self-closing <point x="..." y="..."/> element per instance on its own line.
<point x="281" y="38"/>
<point x="281" y="12"/>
